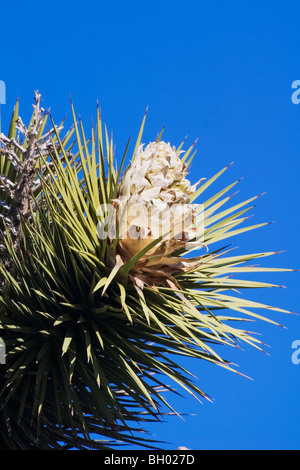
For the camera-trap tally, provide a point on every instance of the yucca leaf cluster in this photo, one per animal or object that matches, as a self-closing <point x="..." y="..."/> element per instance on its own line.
<point x="92" y="336"/>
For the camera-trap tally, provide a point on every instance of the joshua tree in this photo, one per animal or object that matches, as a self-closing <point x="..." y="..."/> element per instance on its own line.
<point x="99" y="294"/>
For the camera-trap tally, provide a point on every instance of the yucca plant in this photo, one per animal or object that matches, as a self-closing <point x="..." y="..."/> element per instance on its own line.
<point x="99" y="294"/>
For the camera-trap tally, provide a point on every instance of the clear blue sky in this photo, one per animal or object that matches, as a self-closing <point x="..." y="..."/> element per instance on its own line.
<point x="219" y="71"/>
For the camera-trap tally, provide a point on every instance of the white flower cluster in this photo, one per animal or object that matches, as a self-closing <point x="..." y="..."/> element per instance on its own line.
<point x="158" y="172"/>
<point x="154" y="198"/>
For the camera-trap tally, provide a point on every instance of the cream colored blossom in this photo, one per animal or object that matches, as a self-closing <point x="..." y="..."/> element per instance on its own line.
<point x="153" y="201"/>
<point x="159" y="172"/>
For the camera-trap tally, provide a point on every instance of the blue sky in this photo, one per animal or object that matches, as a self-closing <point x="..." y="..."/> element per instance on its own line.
<point x="217" y="71"/>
